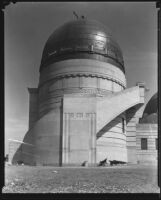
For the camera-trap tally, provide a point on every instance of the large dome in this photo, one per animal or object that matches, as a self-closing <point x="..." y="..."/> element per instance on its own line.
<point x="150" y="114"/>
<point x="82" y="39"/>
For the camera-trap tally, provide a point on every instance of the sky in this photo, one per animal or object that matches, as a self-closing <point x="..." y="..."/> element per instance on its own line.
<point x="28" y="26"/>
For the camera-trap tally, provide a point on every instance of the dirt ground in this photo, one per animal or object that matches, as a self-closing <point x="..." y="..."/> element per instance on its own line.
<point x="116" y="179"/>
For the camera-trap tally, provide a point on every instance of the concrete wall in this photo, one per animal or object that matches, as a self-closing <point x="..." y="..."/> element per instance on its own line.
<point x="13" y="147"/>
<point x="111" y="141"/>
<point x="94" y="101"/>
<point x="79" y="130"/>
<point x="67" y="133"/>
<point x="42" y="144"/>
<point x="33" y="106"/>
<point x="149" y="131"/>
<point x="82" y="76"/>
<point x="82" y="66"/>
<point x="131" y="136"/>
<point x="48" y="138"/>
<point x="25" y="150"/>
<point x="132" y="117"/>
<point x="82" y="115"/>
<point x="108" y="113"/>
<point x="113" y="105"/>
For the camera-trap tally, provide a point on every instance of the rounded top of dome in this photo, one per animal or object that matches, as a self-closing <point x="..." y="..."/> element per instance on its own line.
<point x="150" y="114"/>
<point x="82" y="38"/>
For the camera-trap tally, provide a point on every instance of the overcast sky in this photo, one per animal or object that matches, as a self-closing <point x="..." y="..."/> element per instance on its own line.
<point x="28" y="26"/>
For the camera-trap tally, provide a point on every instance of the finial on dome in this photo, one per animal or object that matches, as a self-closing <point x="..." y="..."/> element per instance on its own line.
<point x="75" y="14"/>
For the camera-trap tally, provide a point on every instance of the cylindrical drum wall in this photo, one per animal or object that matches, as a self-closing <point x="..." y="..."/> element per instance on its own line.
<point x="111" y="141"/>
<point x="77" y="76"/>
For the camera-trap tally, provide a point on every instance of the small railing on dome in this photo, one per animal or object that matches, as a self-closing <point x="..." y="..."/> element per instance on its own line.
<point x="86" y="49"/>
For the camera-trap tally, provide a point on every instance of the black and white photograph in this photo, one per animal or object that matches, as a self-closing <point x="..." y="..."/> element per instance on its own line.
<point x="81" y="93"/>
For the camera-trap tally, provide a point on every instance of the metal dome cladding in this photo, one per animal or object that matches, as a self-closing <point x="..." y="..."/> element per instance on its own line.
<point x="82" y="38"/>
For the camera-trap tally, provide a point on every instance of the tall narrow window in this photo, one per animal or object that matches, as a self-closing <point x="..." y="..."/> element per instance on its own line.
<point x="123" y="125"/>
<point x="156" y="143"/>
<point x="144" y="144"/>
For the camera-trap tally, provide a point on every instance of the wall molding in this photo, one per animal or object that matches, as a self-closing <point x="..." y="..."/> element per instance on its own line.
<point x="92" y="75"/>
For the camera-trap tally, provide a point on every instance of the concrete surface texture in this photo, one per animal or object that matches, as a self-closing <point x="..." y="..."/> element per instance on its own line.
<point x="77" y="76"/>
<point x="150" y="132"/>
<point x="82" y="112"/>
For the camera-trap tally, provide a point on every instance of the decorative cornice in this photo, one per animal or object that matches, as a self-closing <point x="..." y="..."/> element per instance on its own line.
<point x="87" y="75"/>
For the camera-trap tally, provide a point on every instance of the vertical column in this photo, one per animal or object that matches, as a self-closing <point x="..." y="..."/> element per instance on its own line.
<point x="65" y="151"/>
<point x="93" y="139"/>
<point x="131" y="135"/>
<point x="139" y="108"/>
<point x="90" y="136"/>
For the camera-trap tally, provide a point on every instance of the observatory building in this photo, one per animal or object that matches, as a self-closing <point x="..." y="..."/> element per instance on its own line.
<point x="81" y="110"/>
